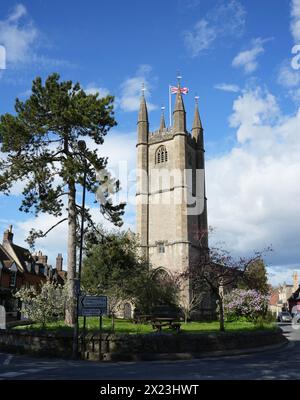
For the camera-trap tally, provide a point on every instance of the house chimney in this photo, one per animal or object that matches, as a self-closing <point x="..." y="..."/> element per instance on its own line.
<point x="8" y="235"/>
<point x="295" y="281"/>
<point x="59" y="262"/>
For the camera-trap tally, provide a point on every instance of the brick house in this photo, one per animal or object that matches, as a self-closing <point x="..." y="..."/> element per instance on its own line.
<point x="19" y="268"/>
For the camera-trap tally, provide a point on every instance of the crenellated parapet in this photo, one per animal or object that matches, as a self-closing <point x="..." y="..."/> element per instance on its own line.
<point x="161" y="135"/>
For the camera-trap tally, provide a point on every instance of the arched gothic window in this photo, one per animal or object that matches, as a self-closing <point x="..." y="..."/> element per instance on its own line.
<point x="161" y="155"/>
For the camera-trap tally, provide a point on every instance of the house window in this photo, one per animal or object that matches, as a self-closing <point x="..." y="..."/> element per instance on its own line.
<point x="41" y="270"/>
<point x="13" y="278"/>
<point x="161" y="247"/>
<point x="161" y="155"/>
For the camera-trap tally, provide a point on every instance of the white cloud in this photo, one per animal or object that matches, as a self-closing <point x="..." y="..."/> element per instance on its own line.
<point x="227" y="87"/>
<point x="119" y="147"/>
<point x="253" y="194"/>
<point x="227" y="19"/>
<point x="248" y="59"/>
<point x="201" y="38"/>
<point x="21" y="38"/>
<point x="287" y="76"/>
<point x="253" y="108"/>
<point x="18" y="36"/>
<point x="279" y="274"/>
<point x="295" y="95"/>
<point x="56" y="241"/>
<point x="18" y="12"/>
<point x="129" y="99"/>
<point x="295" y="20"/>
<point x="91" y="88"/>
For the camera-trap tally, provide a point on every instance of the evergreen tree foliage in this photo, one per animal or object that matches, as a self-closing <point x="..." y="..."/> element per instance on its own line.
<point x="40" y="146"/>
<point x="113" y="267"/>
<point x="255" y="277"/>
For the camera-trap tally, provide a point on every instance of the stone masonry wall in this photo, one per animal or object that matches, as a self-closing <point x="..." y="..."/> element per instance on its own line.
<point x="126" y="346"/>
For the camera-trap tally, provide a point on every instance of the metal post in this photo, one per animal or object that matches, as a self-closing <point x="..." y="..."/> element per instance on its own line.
<point x="100" y="336"/>
<point x="82" y="147"/>
<point x="84" y="327"/>
<point x="170" y="107"/>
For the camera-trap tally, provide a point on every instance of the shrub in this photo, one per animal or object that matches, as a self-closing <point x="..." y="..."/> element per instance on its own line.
<point x="46" y="305"/>
<point x="249" y="304"/>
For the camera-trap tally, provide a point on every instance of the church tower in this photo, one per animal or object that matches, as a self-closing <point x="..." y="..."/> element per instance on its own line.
<point x="171" y="201"/>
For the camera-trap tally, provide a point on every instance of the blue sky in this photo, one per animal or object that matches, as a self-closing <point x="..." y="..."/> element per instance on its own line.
<point x="234" y="54"/>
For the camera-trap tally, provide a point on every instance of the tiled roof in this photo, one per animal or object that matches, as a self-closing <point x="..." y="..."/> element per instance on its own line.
<point x="7" y="261"/>
<point x="274" y="298"/>
<point x="23" y="255"/>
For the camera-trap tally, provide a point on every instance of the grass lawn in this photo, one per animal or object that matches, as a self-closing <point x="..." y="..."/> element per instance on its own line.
<point x="125" y="326"/>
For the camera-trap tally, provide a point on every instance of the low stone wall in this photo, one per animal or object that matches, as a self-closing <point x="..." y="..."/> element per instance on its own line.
<point x="41" y="344"/>
<point x="134" y="347"/>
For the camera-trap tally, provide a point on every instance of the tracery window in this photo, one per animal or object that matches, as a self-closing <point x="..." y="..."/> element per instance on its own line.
<point x="161" y="155"/>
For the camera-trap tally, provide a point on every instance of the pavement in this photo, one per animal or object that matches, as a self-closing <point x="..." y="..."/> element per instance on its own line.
<point x="273" y="363"/>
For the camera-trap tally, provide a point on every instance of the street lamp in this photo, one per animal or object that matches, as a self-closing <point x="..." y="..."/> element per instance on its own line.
<point x="82" y="147"/>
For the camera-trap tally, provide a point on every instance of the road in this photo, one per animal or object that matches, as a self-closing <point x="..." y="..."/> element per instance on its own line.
<point x="282" y="363"/>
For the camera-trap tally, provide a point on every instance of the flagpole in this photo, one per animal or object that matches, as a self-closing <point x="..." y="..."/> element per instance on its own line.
<point x="170" y="113"/>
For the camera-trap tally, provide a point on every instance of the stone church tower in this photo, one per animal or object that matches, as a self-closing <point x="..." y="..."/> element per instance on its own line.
<point x="170" y="198"/>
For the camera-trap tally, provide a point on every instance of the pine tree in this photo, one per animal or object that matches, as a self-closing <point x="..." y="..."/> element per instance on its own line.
<point x="256" y="277"/>
<point x="40" y="143"/>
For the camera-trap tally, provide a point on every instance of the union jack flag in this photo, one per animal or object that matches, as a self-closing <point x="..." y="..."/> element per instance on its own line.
<point x="174" y="89"/>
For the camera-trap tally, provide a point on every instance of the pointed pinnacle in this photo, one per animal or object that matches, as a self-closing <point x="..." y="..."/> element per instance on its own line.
<point x="179" y="106"/>
<point x="143" y="113"/>
<point x="197" y="121"/>
<point x="162" y="122"/>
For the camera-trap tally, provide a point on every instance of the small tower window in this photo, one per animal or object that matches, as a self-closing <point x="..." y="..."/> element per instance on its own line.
<point x="161" y="247"/>
<point x="161" y="155"/>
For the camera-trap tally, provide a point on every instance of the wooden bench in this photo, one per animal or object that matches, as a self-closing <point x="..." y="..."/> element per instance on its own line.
<point x="161" y="316"/>
<point x="159" y="323"/>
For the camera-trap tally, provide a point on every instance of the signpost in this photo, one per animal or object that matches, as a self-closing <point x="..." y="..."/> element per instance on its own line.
<point x="92" y="306"/>
<point x="91" y="312"/>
